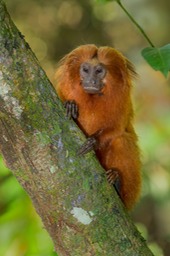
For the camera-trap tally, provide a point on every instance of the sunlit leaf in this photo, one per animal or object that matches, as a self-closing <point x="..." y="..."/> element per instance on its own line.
<point x="158" y="58"/>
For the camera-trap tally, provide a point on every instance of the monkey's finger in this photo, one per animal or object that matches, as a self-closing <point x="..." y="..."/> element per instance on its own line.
<point x="114" y="179"/>
<point x="112" y="175"/>
<point x="89" y="145"/>
<point x="71" y="109"/>
<point x="68" y="108"/>
<point x="74" y="111"/>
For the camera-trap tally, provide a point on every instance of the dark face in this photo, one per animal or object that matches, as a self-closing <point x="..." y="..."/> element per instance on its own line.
<point x="92" y="76"/>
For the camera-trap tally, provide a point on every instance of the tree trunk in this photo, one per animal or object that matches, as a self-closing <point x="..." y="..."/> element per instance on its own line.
<point x="79" y="209"/>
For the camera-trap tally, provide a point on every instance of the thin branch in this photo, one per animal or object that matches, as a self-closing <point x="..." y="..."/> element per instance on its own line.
<point x="135" y="23"/>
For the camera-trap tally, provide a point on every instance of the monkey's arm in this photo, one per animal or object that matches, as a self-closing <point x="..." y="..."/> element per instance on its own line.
<point x="91" y="142"/>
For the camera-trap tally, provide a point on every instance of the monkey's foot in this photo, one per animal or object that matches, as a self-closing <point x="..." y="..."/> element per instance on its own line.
<point x="71" y="109"/>
<point x="114" y="179"/>
<point x="89" y="145"/>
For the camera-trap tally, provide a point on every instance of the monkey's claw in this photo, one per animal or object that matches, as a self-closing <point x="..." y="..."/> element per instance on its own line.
<point x="71" y="109"/>
<point x="114" y="179"/>
<point x="89" y="145"/>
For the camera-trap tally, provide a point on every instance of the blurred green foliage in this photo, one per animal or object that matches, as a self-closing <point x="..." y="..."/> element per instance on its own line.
<point x="21" y="231"/>
<point x="53" y="28"/>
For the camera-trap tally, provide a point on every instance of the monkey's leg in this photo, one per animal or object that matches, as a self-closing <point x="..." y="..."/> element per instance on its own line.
<point x="123" y="155"/>
<point x="71" y="109"/>
<point x="114" y="179"/>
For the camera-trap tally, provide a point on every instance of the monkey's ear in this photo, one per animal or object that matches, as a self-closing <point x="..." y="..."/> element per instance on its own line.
<point x="131" y="69"/>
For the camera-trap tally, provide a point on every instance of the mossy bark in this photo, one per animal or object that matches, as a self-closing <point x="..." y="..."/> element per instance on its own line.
<point x="79" y="209"/>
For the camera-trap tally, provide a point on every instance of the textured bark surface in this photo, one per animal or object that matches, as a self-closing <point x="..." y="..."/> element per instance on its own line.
<point x="79" y="209"/>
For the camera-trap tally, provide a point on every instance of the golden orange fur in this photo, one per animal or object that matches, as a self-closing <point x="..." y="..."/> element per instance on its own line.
<point x="109" y="113"/>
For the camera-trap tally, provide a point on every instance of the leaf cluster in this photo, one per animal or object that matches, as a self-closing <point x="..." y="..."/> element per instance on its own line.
<point x="157" y="57"/>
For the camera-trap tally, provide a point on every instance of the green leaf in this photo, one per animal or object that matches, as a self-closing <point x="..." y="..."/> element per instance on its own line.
<point x="158" y="58"/>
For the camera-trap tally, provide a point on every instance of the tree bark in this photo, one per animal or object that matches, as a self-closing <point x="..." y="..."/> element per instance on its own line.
<point x="79" y="209"/>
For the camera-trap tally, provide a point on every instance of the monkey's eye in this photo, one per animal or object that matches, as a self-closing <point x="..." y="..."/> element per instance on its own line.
<point x="99" y="70"/>
<point x="85" y="70"/>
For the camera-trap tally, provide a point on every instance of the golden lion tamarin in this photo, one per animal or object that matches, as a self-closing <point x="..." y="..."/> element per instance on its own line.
<point x="95" y="86"/>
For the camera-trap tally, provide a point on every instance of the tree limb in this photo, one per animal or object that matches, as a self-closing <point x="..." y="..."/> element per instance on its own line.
<point x="79" y="209"/>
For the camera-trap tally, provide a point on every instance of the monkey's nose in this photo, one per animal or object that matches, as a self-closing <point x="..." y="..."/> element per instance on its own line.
<point x="92" y="81"/>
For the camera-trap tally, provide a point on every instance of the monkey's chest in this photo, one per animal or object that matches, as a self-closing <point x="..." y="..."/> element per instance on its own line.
<point x="92" y="120"/>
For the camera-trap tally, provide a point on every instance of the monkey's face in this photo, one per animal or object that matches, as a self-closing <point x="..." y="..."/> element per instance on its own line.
<point x="92" y="75"/>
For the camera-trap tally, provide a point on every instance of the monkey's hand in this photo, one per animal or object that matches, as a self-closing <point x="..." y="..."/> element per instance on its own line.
<point x="71" y="109"/>
<point x="90" y="144"/>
